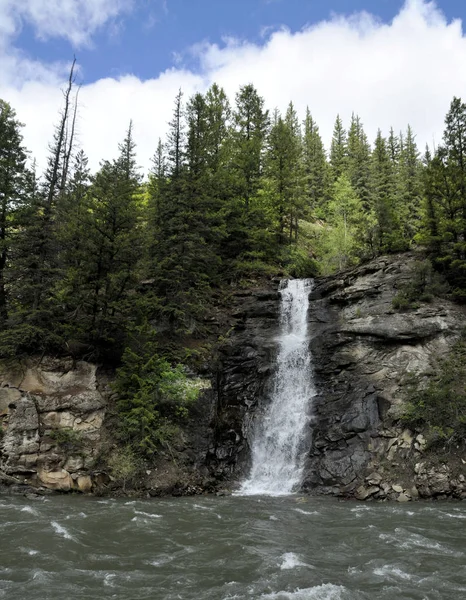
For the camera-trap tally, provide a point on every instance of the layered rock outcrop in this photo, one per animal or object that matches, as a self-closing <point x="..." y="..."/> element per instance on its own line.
<point x="51" y="416"/>
<point x="364" y="353"/>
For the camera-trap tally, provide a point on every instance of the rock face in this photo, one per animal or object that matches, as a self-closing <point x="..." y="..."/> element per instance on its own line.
<point x="51" y="415"/>
<point x="363" y="352"/>
<point x="246" y="364"/>
<point x="54" y="415"/>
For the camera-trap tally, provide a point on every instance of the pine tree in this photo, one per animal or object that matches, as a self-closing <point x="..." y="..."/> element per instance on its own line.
<point x="316" y="174"/>
<point x="409" y="186"/>
<point x="251" y="124"/>
<point x="186" y="255"/>
<point x="176" y="138"/>
<point x="113" y="244"/>
<point x="388" y="234"/>
<point x="73" y="220"/>
<point x="338" y="150"/>
<point x="12" y="193"/>
<point x="359" y="162"/>
<point x="246" y="220"/>
<point x="285" y="174"/>
<point x="445" y="209"/>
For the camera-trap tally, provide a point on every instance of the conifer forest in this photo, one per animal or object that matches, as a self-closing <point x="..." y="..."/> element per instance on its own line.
<point x="122" y="267"/>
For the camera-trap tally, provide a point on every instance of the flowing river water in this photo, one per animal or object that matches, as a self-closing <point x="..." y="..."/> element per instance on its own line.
<point x="209" y="548"/>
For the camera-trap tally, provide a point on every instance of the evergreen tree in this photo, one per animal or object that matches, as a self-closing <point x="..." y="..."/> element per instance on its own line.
<point x="176" y="138"/>
<point x="251" y="124"/>
<point x="12" y="193"/>
<point x="316" y="175"/>
<point x="113" y="244"/>
<point x="388" y="232"/>
<point x="285" y="176"/>
<point x="359" y="162"/>
<point x="409" y="186"/>
<point x="73" y="221"/>
<point x="445" y="194"/>
<point x="338" y="150"/>
<point x="246" y="220"/>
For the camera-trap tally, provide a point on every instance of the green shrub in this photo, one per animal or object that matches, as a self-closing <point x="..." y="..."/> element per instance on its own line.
<point x="440" y="408"/>
<point x="124" y="465"/>
<point x="24" y="337"/>
<point x="67" y="438"/>
<point x="298" y="263"/>
<point x="424" y="286"/>
<point x="154" y="396"/>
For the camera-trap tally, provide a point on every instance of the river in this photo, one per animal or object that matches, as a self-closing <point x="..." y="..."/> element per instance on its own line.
<point x="209" y="548"/>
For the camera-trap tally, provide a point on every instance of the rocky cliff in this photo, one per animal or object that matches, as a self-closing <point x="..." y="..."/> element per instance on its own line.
<point x="51" y="417"/>
<point x="56" y="417"/>
<point x="364" y="353"/>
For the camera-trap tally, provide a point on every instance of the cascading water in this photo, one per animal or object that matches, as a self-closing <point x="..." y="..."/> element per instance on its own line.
<point x="277" y="449"/>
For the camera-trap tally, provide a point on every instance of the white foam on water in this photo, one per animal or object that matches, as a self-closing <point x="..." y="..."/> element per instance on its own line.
<point x="62" y="531"/>
<point x="108" y="579"/>
<point x="327" y="591"/>
<point x="150" y="515"/>
<point x="306" y="512"/>
<point x="273" y="518"/>
<point x="453" y="516"/>
<point x="409" y="541"/>
<point x="158" y="562"/>
<point x="290" y="560"/>
<point x="29" y="552"/>
<point x="277" y="449"/>
<point x="200" y="507"/>
<point x="40" y="576"/>
<point x="30" y="510"/>
<point x="392" y="571"/>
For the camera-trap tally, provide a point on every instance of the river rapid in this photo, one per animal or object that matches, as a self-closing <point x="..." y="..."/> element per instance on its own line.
<point x="209" y="548"/>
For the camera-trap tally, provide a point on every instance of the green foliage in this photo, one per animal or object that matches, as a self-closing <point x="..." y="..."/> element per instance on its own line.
<point x="23" y="337"/>
<point x="440" y="407"/>
<point x="297" y="262"/>
<point x="424" y="285"/>
<point x="233" y="196"/>
<point x="67" y="438"/>
<point x="340" y="241"/>
<point x="124" y="465"/>
<point x="154" y="397"/>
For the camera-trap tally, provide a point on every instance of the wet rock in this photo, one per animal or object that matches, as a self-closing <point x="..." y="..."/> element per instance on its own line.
<point x="50" y="398"/>
<point x="56" y="480"/>
<point x="403" y="498"/>
<point x="363" y="493"/>
<point x="374" y="479"/>
<point x="84" y="483"/>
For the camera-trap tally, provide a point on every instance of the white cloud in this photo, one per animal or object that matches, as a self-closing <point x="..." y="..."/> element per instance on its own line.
<point x="391" y="74"/>
<point x="75" y="20"/>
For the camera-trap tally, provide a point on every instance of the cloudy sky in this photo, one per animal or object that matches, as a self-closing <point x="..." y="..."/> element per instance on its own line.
<point x="392" y="62"/>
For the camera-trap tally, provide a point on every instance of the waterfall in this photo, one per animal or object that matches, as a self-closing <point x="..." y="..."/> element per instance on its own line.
<point x="278" y="450"/>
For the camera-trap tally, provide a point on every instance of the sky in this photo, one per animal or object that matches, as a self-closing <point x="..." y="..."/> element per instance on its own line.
<point x="393" y="62"/>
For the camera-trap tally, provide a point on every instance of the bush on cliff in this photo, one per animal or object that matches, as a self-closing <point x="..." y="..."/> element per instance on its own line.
<point x="440" y="407"/>
<point x="154" y="396"/>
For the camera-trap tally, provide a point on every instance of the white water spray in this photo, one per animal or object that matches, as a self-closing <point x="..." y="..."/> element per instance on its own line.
<point x="277" y="450"/>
